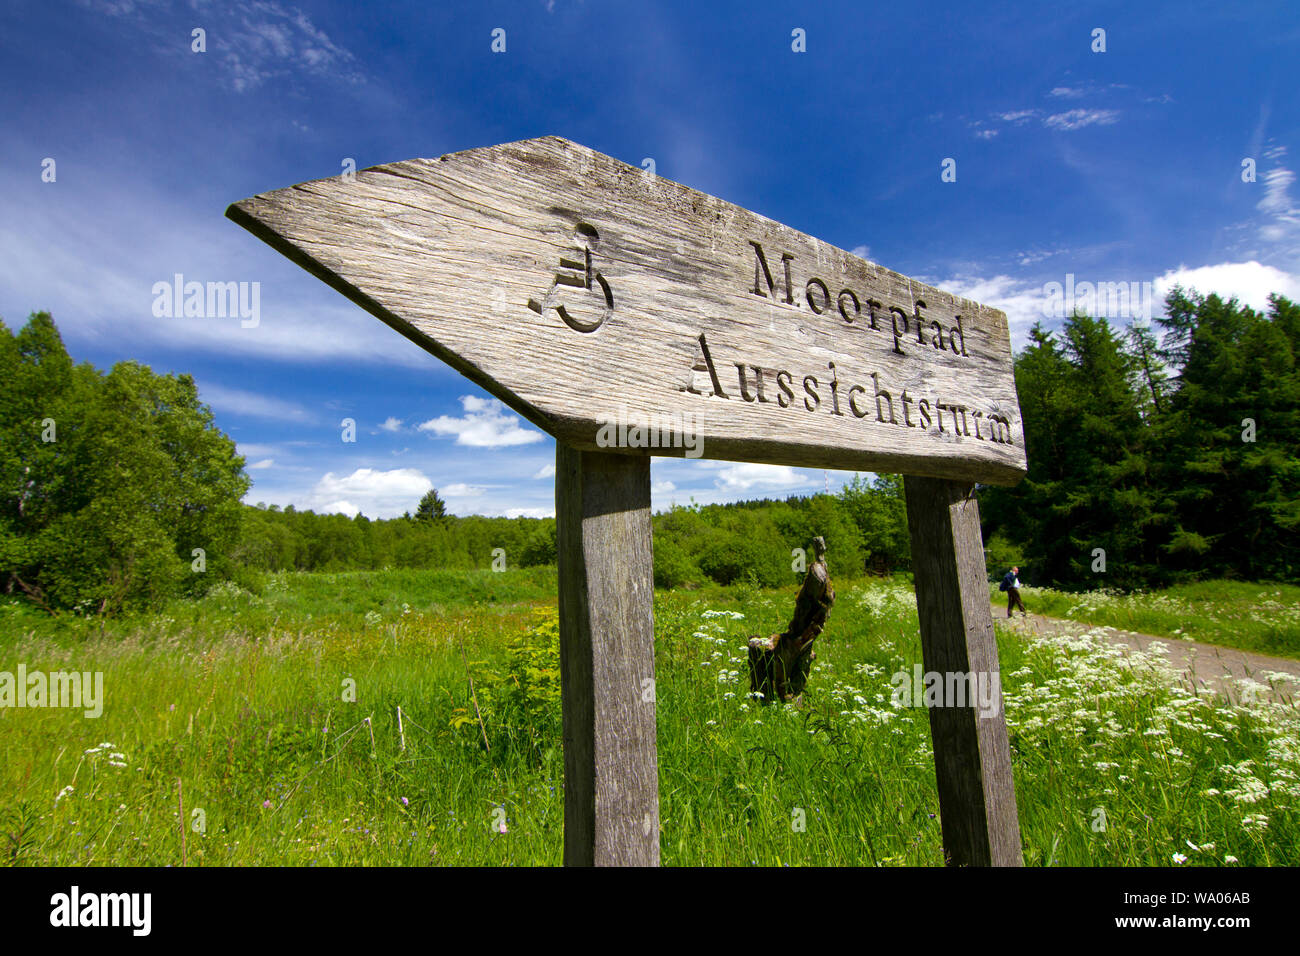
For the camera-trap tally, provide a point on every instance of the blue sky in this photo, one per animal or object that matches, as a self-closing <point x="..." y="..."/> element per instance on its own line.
<point x="1117" y="166"/>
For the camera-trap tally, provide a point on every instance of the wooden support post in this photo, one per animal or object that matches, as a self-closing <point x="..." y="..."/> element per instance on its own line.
<point x="972" y="757"/>
<point x="611" y="773"/>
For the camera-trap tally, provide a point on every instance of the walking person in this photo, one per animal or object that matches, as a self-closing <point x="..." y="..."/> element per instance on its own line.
<point x="1011" y="584"/>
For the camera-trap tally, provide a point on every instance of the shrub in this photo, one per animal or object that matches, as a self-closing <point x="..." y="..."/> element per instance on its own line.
<point x="540" y="545"/>
<point x="731" y="557"/>
<point x="674" y="568"/>
<point x="520" y="702"/>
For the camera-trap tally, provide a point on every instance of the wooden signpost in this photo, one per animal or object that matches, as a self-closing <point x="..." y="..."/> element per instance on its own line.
<point x="630" y="316"/>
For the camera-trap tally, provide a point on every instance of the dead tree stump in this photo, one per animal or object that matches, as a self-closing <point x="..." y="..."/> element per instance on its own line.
<point x="779" y="664"/>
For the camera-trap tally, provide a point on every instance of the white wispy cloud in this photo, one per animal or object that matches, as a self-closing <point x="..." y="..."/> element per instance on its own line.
<point x="487" y="423"/>
<point x="1017" y="117"/>
<point x="91" y="252"/>
<point x="260" y="465"/>
<point x="1278" y="205"/>
<point x="546" y="471"/>
<point x="1066" y="121"/>
<point x="234" y="401"/>
<point x="461" y="490"/>
<point x="1080" y="118"/>
<point x="272" y="40"/>
<point x="256" y="450"/>
<point x="251" y="41"/>
<point x="391" y="424"/>
<point x="1031" y="256"/>
<point x="125" y="8"/>
<point x="1086" y="89"/>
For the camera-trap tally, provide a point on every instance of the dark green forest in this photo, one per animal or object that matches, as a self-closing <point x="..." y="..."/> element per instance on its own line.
<point x="1177" y="455"/>
<point x="1155" y="455"/>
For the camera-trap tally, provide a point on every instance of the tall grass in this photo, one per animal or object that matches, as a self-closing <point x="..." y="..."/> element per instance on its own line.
<point x="242" y="699"/>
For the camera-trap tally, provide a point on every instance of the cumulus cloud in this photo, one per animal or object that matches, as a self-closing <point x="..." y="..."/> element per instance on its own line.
<point x="487" y="423"/>
<point x="1249" y="282"/>
<point x="529" y="513"/>
<point x="747" y="476"/>
<point x="1023" y="302"/>
<point x="1027" y="302"/>
<point x="374" y="493"/>
<point x="391" y="424"/>
<point x="377" y="492"/>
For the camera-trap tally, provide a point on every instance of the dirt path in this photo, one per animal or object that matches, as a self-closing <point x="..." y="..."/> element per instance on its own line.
<point x="1203" y="666"/>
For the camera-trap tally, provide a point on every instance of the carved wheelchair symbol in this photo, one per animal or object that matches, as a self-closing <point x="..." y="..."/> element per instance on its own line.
<point x="579" y="275"/>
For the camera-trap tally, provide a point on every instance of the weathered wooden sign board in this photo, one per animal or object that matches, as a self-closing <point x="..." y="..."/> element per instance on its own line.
<point x="629" y="316"/>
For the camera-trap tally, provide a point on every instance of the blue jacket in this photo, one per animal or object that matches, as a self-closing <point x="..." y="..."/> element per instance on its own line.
<point x="1008" y="581"/>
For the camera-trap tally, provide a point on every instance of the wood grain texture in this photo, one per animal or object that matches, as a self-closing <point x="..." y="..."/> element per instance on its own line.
<point x="611" y="774"/>
<point x="452" y="251"/>
<point x="972" y="757"/>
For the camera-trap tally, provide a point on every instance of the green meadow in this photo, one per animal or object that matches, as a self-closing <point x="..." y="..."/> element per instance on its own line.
<point x="243" y="729"/>
<point x="1262" y="618"/>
